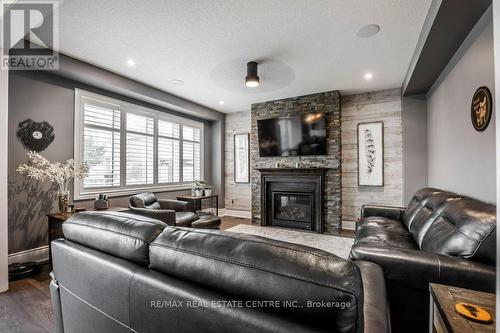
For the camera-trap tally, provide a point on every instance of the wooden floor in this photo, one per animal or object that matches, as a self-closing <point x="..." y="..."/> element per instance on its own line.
<point x="229" y="222"/>
<point x="26" y="306"/>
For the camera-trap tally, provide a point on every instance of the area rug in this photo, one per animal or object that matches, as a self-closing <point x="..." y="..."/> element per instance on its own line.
<point x="340" y="246"/>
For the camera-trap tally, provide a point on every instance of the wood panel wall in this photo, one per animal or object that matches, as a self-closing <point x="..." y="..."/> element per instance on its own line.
<point x="238" y="196"/>
<point x="383" y="106"/>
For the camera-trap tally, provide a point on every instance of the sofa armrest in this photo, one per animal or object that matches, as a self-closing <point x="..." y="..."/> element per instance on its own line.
<point x="375" y="303"/>
<point x="164" y="215"/>
<point x="416" y="269"/>
<point x="56" y="304"/>
<point x="176" y="205"/>
<point x="394" y="213"/>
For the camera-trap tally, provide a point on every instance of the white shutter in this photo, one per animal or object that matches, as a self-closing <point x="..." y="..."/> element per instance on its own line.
<point x="168" y="152"/>
<point x="130" y="148"/>
<point x="101" y="144"/>
<point x="191" y="154"/>
<point x="139" y="155"/>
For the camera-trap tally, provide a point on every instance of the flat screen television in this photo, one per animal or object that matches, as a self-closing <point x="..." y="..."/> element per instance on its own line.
<point x="292" y="136"/>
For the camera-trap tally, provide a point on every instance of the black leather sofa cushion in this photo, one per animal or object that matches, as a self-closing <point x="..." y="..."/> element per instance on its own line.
<point x="417" y="202"/>
<point x="255" y="268"/>
<point x="464" y="228"/>
<point x="383" y="231"/>
<point x="122" y="235"/>
<point x="428" y="213"/>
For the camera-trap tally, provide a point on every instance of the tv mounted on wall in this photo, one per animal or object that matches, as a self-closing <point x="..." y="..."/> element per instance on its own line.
<point x="293" y="136"/>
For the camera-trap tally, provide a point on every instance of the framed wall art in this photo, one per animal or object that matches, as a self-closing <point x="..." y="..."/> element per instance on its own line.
<point x="371" y="154"/>
<point x="481" y="108"/>
<point x="242" y="158"/>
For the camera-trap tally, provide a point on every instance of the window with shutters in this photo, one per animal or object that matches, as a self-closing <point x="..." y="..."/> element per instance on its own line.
<point x="130" y="148"/>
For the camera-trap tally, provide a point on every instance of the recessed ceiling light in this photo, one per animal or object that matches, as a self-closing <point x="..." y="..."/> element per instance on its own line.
<point x="221" y="102"/>
<point x="130" y="62"/>
<point x="177" y="82"/>
<point x="368" y="31"/>
<point x="368" y="76"/>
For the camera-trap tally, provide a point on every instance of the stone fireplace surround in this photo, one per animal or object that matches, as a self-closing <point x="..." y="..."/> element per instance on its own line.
<point x="329" y="104"/>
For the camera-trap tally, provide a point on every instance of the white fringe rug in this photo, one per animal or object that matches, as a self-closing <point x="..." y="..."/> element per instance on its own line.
<point x="340" y="246"/>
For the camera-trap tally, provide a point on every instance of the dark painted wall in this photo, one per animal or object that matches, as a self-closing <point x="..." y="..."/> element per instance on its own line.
<point x="48" y="97"/>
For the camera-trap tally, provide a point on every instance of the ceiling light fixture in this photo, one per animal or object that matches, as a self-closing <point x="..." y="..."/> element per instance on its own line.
<point x="130" y="62"/>
<point x="252" y="79"/>
<point x="368" y="76"/>
<point x="177" y="82"/>
<point x="221" y="102"/>
<point x="368" y="31"/>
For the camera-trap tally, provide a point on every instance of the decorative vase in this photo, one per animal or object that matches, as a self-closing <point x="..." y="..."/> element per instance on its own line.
<point x="63" y="201"/>
<point x="198" y="193"/>
<point x="208" y="192"/>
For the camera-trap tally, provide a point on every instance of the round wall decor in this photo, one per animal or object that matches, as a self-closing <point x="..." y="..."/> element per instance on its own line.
<point x="34" y="135"/>
<point x="481" y="108"/>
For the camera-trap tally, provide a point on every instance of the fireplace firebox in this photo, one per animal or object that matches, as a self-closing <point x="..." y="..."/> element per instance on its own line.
<point x="292" y="209"/>
<point x="293" y="198"/>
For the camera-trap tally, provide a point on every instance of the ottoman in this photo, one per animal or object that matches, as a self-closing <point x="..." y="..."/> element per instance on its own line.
<point x="207" y="222"/>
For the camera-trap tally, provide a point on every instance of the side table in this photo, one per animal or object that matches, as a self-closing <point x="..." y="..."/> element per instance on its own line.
<point x="444" y="318"/>
<point x="196" y="202"/>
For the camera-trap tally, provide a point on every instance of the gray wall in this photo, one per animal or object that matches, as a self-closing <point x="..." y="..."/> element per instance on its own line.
<point x="460" y="158"/>
<point x="238" y="196"/>
<point x="47" y="97"/>
<point x="414" y="145"/>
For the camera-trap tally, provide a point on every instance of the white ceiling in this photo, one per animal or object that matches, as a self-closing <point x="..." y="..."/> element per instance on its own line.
<point x="305" y="46"/>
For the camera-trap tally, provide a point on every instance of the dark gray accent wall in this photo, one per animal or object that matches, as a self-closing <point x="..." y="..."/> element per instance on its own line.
<point x="449" y="26"/>
<point x="327" y="102"/>
<point x="415" y="155"/>
<point x="50" y="97"/>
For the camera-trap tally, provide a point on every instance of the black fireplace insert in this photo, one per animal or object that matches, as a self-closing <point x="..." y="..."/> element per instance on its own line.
<point x="293" y="198"/>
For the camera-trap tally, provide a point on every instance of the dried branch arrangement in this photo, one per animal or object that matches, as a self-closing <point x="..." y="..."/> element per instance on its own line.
<point x="41" y="169"/>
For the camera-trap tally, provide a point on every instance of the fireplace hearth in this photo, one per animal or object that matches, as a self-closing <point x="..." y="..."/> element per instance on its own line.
<point x="293" y="198"/>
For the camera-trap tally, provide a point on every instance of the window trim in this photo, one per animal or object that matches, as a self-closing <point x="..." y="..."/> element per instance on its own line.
<point x="80" y="193"/>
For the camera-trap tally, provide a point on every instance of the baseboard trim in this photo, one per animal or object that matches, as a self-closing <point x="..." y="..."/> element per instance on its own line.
<point x="349" y="225"/>
<point x="33" y="255"/>
<point x="235" y="213"/>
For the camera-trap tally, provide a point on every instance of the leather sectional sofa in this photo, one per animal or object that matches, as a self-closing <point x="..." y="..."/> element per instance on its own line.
<point x="441" y="237"/>
<point x="119" y="272"/>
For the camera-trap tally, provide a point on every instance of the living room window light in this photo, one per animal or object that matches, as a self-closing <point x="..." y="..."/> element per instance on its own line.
<point x="130" y="148"/>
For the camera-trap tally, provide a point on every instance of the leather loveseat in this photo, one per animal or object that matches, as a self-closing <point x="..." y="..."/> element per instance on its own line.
<point x="441" y="237"/>
<point x="118" y="272"/>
